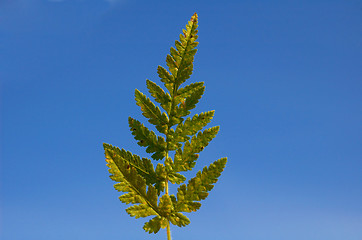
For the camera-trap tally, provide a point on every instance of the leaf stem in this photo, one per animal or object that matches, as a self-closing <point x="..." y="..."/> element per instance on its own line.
<point x="166" y="192"/>
<point x="168" y="231"/>
<point x="166" y="187"/>
<point x="168" y="225"/>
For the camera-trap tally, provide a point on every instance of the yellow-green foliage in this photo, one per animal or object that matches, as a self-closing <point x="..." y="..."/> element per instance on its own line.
<point x="146" y="187"/>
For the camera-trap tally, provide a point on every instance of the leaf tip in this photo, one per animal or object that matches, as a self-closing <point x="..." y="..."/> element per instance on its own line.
<point x="194" y="17"/>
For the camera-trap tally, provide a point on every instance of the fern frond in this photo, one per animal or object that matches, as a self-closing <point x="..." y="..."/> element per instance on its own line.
<point x="154" y="225"/>
<point x="184" y="101"/>
<point x="152" y="112"/>
<point x="189" y="103"/>
<point x="173" y="140"/>
<point x="191" y="126"/>
<point x="160" y="96"/>
<point x="185" y="159"/>
<point x="146" y="138"/>
<point x="140" y="183"/>
<point x="186" y="91"/>
<point x="166" y="78"/>
<point x="198" y="187"/>
<point x="143" y="166"/>
<point x="173" y="176"/>
<point x="180" y="65"/>
<point x="165" y="205"/>
<point x="141" y="210"/>
<point x="132" y="183"/>
<point x="183" y="55"/>
<point x="179" y="219"/>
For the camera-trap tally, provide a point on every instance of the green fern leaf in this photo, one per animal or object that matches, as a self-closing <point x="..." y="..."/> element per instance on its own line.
<point x="167" y="211"/>
<point x="162" y="175"/>
<point x="172" y="65"/>
<point x="179" y="219"/>
<point x="185" y="101"/>
<point x="186" y="91"/>
<point x="176" y="178"/>
<point x="192" y="126"/>
<point x="143" y="166"/>
<point x="173" y="140"/>
<point x="180" y="64"/>
<point x="165" y="205"/>
<point x="160" y="96"/>
<point x="161" y="171"/>
<point x="141" y="210"/>
<point x="184" y="55"/>
<point x="198" y="187"/>
<point x="189" y="103"/>
<point x="154" y="225"/>
<point x="147" y="138"/>
<point x="181" y="204"/>
<point x="166" y="78"/>
<point x="140" y="183"/>
<point x="185" y="160"/>
<point x="130" y="182"/>
<point x="150" y="111"/>
<point x="173" y="176"/>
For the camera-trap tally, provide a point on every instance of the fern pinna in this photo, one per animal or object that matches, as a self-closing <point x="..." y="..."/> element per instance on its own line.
<point x="146" y="187"/>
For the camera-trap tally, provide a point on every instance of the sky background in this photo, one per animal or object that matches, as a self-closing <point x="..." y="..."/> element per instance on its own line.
<point x="284" y="78"/>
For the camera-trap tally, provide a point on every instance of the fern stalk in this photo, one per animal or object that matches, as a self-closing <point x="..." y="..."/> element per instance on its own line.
<point x="145" y="186"/>
<point x="169" y="231"/>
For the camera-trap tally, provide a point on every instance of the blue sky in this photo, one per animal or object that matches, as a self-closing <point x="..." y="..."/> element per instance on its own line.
<point x="284" y="78"/>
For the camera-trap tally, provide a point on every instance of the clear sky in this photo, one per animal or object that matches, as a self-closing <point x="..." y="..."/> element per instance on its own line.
<point x="284" y="78"/>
